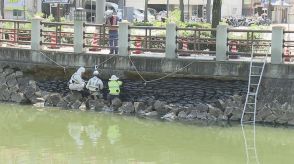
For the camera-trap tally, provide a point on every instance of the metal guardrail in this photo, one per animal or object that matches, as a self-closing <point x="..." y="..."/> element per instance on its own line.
<point x="244" y="39"/>
<point x="147" y="39"/>
<point x="196" y="41"/>
<point x="288" y="44"/>
<point x="55" y="34"/>
<point x="15" y="32"/>
<point x="96" y="37"/>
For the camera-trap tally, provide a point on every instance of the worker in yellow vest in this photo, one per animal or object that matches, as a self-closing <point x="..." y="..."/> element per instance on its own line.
<point x="114" y="88"/>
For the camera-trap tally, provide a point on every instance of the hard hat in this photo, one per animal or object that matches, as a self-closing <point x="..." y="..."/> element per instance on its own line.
<point x="96" y="73"/>
<point x="113" y="77"/>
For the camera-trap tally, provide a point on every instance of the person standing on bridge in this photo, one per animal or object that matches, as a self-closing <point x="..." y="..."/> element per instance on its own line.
<point x="112" y="21"/>
<point x="95" y="85"/>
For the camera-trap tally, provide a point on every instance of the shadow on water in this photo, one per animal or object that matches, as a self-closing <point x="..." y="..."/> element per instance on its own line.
<point x="32" y="135"/>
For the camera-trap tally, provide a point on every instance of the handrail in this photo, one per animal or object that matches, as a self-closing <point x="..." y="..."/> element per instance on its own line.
<point x="12" y="20"/>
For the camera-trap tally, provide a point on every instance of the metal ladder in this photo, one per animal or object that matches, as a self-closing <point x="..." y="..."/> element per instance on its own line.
<point x="249" y="112"/>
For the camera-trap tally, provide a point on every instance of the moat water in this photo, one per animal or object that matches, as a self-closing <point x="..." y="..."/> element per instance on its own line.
<point x="44" y="135"/>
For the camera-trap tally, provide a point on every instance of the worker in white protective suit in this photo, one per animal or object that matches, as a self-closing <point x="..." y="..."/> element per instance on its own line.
<point x="76" y="82"/>
<point x="95" y="85"/>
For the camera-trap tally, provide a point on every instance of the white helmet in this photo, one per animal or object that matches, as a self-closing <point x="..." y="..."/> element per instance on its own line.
<point x="95" y="73"/>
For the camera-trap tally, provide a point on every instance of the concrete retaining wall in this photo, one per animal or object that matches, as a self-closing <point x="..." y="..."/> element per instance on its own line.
<point x="154" y="65"/>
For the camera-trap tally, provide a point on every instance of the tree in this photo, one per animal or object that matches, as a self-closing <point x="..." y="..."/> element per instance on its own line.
<point x="216" y="13"/>
<point x="182" y="10"/>
<point x="269" y="10"/>
<point x="2" y="8"/>
<point x="146" y="11"/>
<point x="208" y="11"/>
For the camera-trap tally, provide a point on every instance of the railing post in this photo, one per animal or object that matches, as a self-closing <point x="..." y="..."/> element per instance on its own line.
<point x="123" y="38"/>
<point x="171" y="41"/>
<point x="36" y="33"/>
<point x="221" y="42"/>
<point x="277" y="45"/>
<point x="78" y="36"/>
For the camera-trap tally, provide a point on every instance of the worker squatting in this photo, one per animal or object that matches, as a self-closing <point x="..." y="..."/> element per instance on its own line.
<point x="95" y="85"/>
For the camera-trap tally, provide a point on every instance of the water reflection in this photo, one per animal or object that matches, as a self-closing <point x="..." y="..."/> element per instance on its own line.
<point x="113" y="134"/>
<point x="75" y="130"/>
<point x="93" y="133"/>
<point x="54" y="136"/>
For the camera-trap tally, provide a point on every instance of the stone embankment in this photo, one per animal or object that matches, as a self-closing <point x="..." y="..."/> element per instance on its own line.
<point x="207" y="100"/>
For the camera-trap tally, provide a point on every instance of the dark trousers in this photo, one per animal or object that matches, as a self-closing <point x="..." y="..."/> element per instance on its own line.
<point x="113" y="37"/>
<point x="111" y="97"/>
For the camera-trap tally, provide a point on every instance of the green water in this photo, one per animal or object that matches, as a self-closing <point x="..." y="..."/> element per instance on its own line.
<point x="31" y="135"/>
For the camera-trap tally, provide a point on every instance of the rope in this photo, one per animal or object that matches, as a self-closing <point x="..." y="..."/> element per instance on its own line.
<point x="161" y="78"/>
<point x="47" y="57"/>
<point x="105" y="61"/>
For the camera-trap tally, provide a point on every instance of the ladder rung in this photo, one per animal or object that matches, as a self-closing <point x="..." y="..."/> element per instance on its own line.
<point x="251" y="93"/>
<point x="257" y="66"/>
<point x="250" y="112"/>
<point x="255" y="75"/>
<point x="250" y="148"/>
<point x="247" y="122"/>
<point x="254" y="84"/>
<point x="250" y="103"/>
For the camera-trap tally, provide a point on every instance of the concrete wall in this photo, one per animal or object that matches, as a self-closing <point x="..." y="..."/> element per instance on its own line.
<point x="156" y="66"/>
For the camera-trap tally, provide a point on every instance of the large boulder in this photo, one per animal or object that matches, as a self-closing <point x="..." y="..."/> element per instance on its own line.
<point x="201" y="107"/>
<point x="72" y="97"/>
<point x="76" y="105"/>
<point x="139" y="107"/>
<point x="170" y="116"/>
<point x="127" y="108"/>
<point x="216" y="112"/>
<point x="5" y="93"/>
<point x="192" y="115"/>
<point x="95" y="104"/>
<point x="159" y="106"/>
<point x="18" y="98"/>
<point x="53" y="99"/>
<point x="7" y="71"/>
<point x="151" y="114"/>
<point x="62" y="104"/>
<point x="182" y="115"/>
<point x="116" y="103"/>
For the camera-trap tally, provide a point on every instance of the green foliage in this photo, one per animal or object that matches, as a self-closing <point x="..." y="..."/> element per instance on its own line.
<point x="143" y="24"/>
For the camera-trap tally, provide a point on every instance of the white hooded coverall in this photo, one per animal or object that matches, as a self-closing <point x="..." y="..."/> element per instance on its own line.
<point x="76" y="82"/>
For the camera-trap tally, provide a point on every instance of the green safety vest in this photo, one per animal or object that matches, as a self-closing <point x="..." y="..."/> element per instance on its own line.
<point x="114" y="87"/>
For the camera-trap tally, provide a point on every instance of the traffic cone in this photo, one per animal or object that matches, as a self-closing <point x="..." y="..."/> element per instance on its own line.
<point x="138" y="46"/>
<point x="185" y="48"/>
<point x="53" y="42"/>
<point x="234" y="50"/>
<point x="95" y="43"/>
<point x="286" y="55"/>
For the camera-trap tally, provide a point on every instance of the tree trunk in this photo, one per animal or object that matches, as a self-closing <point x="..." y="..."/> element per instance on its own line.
<point x="216" y="13"/>
<point x="182" y="10"/>
<point x="208" y="11"/>
<point x="2" y="8"/>
<point x="269" y="10"/>
<point x="146" y="11"/>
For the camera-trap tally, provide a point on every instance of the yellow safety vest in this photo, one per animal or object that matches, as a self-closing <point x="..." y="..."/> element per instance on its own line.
<point x="114" y="87"/>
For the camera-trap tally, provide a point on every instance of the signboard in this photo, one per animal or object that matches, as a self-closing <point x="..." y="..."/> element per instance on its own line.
<point x="14" y="5"/>
<point x="57" y="1"/>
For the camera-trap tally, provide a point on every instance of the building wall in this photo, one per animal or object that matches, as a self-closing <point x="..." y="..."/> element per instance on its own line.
<point x="32" y="7"/>
<point x="232" y="8"/>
